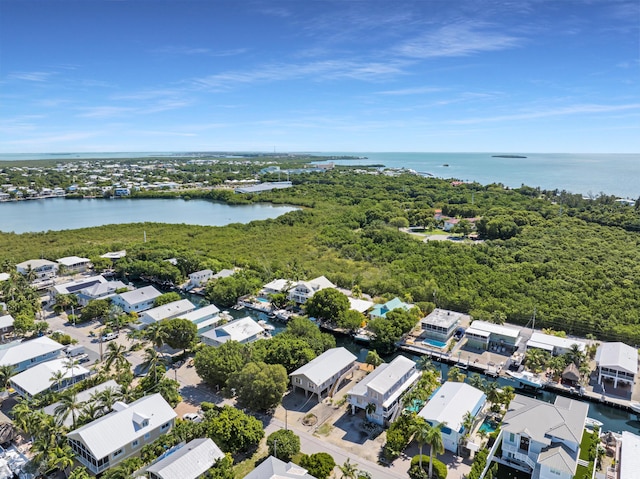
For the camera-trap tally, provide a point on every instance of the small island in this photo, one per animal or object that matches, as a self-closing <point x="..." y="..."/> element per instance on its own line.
<point x="508" y="156"/>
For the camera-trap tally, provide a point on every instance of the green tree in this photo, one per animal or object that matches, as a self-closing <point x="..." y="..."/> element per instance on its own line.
<point x="283" y="444"/>
<point x="233" y="430"/>
<point x="6" y="372"/>
<point x="216" y="365"/>
<point x="95" y="309"/>
<point x="348" y="470"/>
<point x="166" y="298"/>
<point x="79" y="473"/>
<point x="319" y="464"/>
<point x="260" y="386"/>
<point x="455" y="375"/>
<point x="351" y="320"/>
<point x="328" y="304"/>
<point x="181" y="333"/>
<point x="24" y="324"/>
<point x="69" y="406"/>
<point x="116" y="355"/>
<point x="288" y="351"/>
<point x="433" y="437"/>
<point x="373" y="359"/>
<point x="302" y="328"/>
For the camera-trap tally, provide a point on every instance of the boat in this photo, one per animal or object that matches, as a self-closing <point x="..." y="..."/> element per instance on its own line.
<point x="592" y="423"/>
<point x="362" y="336"/>
<point x="635" y="406"/>
<point x="266" y="326"/>
<point x="526" y="379"/>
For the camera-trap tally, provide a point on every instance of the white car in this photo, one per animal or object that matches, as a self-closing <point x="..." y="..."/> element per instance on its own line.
<point x="192" y="416"/>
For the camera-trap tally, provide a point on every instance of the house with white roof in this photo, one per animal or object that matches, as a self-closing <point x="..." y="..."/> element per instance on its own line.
<point x="629" y="456"/>
<point x="276" y="286"/>
<point x="26" y="354"/>
<point x="109" y="440"/>
<point x="304" y="290"/>
<point x="360" y="305"/>
<point x="224" y="273"/>
<point x="6" y="325"/>
<point x="381" y="310"/>
<point x="274" y="468"/>
<point x="322" y="374"/>
<point x="555" y="345"/>
<point x="137" y="300"/>
<point x="243" y="330"/>
<point x="200" y="278"/>
<point x="114" y="255"/>
<point x="450" y="404"/>
<point x="40" y="378"/>
<point x="492" y="337"/>
<point x="383" y="388"/>
<point x="74" y="264"/>
<point x="43" y="269"/>
<point x="82" y="398"/>
<point x="175" y="309"/>
<point x="617" y="362"/>
<point x="440" y="324"/>
<point x="100" y="291"/>
<point x="543" y="439"/>
<point x="73" y="287"/>
<point x="205" y="318"/>
<point x="190" y="461"/>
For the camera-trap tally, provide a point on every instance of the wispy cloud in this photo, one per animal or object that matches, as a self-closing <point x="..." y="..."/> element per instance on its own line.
<point x="561" y="111"/>
<point x="456" y="40"/>
<point x="32" y="76"/>
<point x="184" y="50"/>
<point x="411" y="91"/>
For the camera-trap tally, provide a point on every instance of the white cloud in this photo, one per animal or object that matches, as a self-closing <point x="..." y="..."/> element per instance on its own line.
<point x="411" y="91"/>
<point x="32" y="76"/>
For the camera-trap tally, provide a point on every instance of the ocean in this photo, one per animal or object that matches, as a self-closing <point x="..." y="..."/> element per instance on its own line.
<point x="587" y="174"/>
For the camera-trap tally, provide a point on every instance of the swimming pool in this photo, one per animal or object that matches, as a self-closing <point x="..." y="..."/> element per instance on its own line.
<point x="488" y="425"/>
<point x="434" y="343"/>
<point x="262" y="300"/>
<point x="415" y="406"/>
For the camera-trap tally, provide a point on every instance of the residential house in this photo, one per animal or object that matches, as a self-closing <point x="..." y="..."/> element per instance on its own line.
<point x="274" y="468"/>
<point x="224" y="273"/>
<point x="44" y="269"/>
<point x="381" y="310"/>
<point x="200" y="278"/>
<point x="244" y="330"/>
<point x="72" y="287"/>
<point x="616" y="362"/>
<point x="360" y="305"/>
<point x="275" y="286"/>
<point x="73" y="264"/>
<point x="543" y="439"/>
<point x="304" y="290"/>
<point x="205" y="318"/>
<point x="449" y="405"/>
<point x="114" y="255"/>
<point x="41" y="378"/>
<point x="26" y="354"/>
<point x="83" y="397"/>
<point x="492" y="337"/>
<point x="6" y="326"/>
<point x="100" y="291"/>
<point x="190" y="461"/>
<point x="629" y="456"/>
<point x="138" y="300"/>
<point x="440" y="324"/>
<point x="109" y="440"/>
<point x="322" y="374"/>
<point x="554" y="344"/>
<point x="4" y="276"/>
<point x="175" y="309"/>
<point x="382" y="389"/>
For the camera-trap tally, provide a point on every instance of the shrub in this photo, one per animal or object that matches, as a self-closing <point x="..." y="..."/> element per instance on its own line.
<point x="439" y="468"/>
<point x="319" y="464"/>
<point x="283" y="444"/>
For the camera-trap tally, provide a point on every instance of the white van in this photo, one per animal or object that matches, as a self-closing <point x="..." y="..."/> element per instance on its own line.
<point x="74" y="350"/>
<point x="109" y="336"/>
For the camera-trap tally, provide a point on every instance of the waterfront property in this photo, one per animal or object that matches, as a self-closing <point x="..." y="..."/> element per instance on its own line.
<point x="224" y="273"/>
<point x="43" y="269"/>
<point x="440" y="324"/>
<point x="199" y="278"/>
<point x="382" y="389"/>
<point x="114" y="255"/>
<point x="100" y="291"/>
<point x="381" y="310"/>
<point x="543" y="439"/>
<point x="259" y="188"/>
<point x="554" y="344"/>
<point x="304" y="290"/>
<point x="175" y="309"/>
<point x="617" y="362"/>
<point x="274" y="468"/>
<point x="26" y="354"/>
<point x="54" y="375"/>
<point x="73" y="264"/>
<point x="109" y="440"/>
<point x="189" y="461"/>
<point x="137" y="300"/>
<point x="6" y="326"/>
<point x="279" y="285"/>
<point x="244" y="330"/>
<point x="449" y="405"/>
<point x="360" y="305"/>
<point x="205" y="318"/>
<point x="492" y="337"/>
<point x="73" y="287"/>
<point x="83" y="397"/>
<point x="628" y="458"/>
<point x="324" y="373"/>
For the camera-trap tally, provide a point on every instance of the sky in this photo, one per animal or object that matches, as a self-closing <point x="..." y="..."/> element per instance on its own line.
<point x="558" y="76"/>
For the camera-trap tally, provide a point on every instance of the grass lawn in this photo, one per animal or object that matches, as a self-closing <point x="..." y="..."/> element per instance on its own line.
<point x="506" y="472"/>
<point x="585" y="445"/>
<point x="324" y="430"/>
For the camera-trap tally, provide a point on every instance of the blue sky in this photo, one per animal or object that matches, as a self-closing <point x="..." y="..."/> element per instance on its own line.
<point x="314" y="75"/>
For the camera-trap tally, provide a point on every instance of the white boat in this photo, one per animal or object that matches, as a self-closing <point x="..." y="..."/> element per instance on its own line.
<point x="635" y="406"/>
<point x="526" y="379"/>
<point x="266" y="326"/>
<point x="592" y="423"/>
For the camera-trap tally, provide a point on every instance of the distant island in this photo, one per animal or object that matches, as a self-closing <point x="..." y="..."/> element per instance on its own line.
<point x="508" y="156"/>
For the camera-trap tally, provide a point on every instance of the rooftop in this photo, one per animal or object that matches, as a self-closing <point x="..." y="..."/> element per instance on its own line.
<point x="326" y="365"/>
<point x="443" y="318"/>
<point x="141" y="294"/>
<point x="188" y="462"/>
<point x="15" y="353"/>
<point x="618" y="355"/>
<point x="39" y="378"/>
<point x="451" y="402"/>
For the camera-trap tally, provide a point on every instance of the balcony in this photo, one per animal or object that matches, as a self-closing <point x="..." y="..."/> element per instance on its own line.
<point x="518" y="455"/>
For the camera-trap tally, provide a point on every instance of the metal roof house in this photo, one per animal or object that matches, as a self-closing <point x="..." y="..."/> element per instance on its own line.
<point x="41" y="378"/>
<point x="304" y="290"/>
<point x="617" y="362"/>
<point x="244" y="330"/>
<point x="440" y="324"/>
<point x="274" y="468"/>
<point x="73" y="287"/>
<point x="109" y="440"/>
<point x="187" y="462"/>
<point x="381" y="310"/>
<point x="137" y="300"/>
<point x="493" y="337"/>
<point x="323" y="374"/>
<point x="175" y="309"/>
<point x="554" y="344"/>
<point x="74" y="264"/>
<point x="449" y="404"/>
<point x="26" y="354"/>
<point x="542" y="438"/>
<point x="44" y="269"/>
<point x="83" y="397"/>
<point x="205" y="318"/>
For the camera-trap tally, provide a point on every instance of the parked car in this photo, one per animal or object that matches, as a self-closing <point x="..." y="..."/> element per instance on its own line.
<point x="82" y="358"/>
<point x="192" y="416"/>
<point x="458" y="334"/>
<point x="109" y="336"/>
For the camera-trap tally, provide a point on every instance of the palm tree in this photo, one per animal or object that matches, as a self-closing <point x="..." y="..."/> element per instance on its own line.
<point x="68" y="405"/>
<point x="116" y="355"/>
<point x="151" y="362"/>
<point x="156" y="334"/>
<point x="433" y="438"/>
<point x="373" y="359"/>
<point x="575" y="355"/>
<point x="106" y="399"/>
<point x="113" y="316"/>
<point x="348" y="470"/>
<point x="6" y="371"/>
<point x="61" y="457"/>
<point x="57" y="378"/>
<point x="420" y="430"/>
<point x="424" y="363"/>
<point x="91" y="410"/>
<point x="478" y="382"/>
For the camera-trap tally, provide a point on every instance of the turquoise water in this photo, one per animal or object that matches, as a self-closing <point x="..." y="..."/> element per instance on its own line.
<point x="487" y="426"/>
<point x="435" y="344"/>
<point x="415" y="406"/>
<point x="61" y="214"/>
<point x="262" y="300"/>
